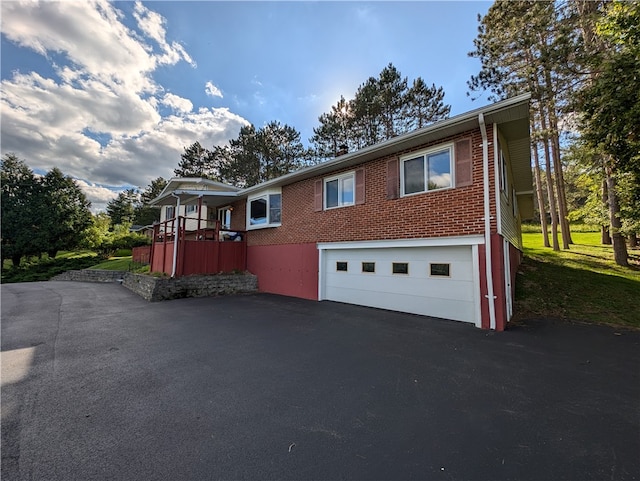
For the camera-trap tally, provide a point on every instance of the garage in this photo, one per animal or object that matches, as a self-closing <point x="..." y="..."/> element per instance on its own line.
<point x="440" y="281"/>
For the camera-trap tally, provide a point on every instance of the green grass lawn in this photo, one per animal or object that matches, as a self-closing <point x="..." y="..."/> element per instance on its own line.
<point x="121" y="264"/>
<point x="114" y="264"/>
<point x="582" y="283"/>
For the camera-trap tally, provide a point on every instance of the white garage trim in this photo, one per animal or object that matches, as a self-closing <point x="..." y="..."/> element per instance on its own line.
<point x="454" y="297"/>
<point x="427" y="242"/>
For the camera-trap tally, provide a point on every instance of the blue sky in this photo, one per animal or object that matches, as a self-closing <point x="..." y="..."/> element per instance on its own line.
<point x="111" y="92"/>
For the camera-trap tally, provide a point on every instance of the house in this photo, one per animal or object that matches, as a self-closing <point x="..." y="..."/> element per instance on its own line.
<point x="427" y="222"/>
<point x="196" y="200"/>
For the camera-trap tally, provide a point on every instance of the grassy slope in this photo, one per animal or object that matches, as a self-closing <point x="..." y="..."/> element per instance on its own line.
<point x="114" y="264"/>
<point x="33" y="269"/>
<point x="582" y="283"/>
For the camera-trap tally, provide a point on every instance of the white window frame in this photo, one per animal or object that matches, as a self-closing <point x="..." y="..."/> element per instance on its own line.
<point x="221" y="216"/>
<point x="424" y="154"/>
<point x="340" y="178"/>
<point x="172" y="209"/>
<point x="190" y="209"/>
<point x="504" y="178"/>
<point x="265" y="195"/>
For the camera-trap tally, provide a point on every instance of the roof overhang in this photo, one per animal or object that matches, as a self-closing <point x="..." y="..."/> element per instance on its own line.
<point x="212" y="198"/>
<point x="205" y="188"/>
<point x="513" y="113"/>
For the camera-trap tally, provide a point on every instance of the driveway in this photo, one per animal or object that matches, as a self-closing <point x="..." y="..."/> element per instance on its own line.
<point x="98" y="384"/>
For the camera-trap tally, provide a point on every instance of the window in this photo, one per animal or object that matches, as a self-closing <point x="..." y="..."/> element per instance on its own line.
<point x="368" y="267"/>
<point x="514" y="203"/>
<point x="171" y="211"/>
<point x="400" y="268"/>
<point x="224" y="216"/>
<point x="264" y="210"/>
<point x="439" y="270"/>
<point x="190" y="209"/>
<point x="430" y="170"/>
<point x="341" y="266"/>
<point x="503" y="172"/>
<point x="339" y="191"/>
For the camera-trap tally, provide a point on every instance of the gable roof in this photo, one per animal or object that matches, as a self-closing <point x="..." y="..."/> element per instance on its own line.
<point x="189" y="189"/>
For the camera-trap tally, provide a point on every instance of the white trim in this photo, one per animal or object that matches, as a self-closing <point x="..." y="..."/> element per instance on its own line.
<point x="321" y="270"/>
<point x="487" y="224"/>
<point x="263" y="195"/>
<point x="176" y="236"/>
<point x="424" y="153"/>
<point x="477" y="295"/>
<point x="339" y="178"/>
<point x="378" y="244"/>
<point x="438" y="130"/>
<point x="498" y="169"/>
<point x="507" y="278"/>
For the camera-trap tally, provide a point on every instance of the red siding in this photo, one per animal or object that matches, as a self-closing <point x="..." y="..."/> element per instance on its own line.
<point x="499" y="281"/>
<point x="290" y="270"/>
<point x="141" y="254"/>
<point x="200" y="257"/>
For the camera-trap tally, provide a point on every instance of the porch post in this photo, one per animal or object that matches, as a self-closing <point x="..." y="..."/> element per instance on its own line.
<point x="199" y="216"/>
<point x="175" y="236"/>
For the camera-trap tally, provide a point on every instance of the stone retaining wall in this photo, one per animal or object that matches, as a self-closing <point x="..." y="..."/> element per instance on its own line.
<point x="90" y="275"/>
<point x="162" y="288"/>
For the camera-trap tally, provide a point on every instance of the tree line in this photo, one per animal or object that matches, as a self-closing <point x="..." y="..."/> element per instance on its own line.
<point x="580" y="60"/>
<point x="381" y="108"/>
<point x="40" y="214"/>
<point x="50" y="213"/>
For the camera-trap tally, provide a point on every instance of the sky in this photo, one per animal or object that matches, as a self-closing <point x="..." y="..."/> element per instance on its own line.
<point x="112" y="92"/>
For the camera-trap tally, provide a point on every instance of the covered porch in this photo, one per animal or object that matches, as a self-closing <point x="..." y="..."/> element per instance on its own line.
<point x="193" y="244"/>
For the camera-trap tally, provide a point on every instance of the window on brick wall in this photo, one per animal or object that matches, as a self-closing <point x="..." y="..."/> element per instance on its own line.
<point x="426" y="171"/>
<point x="339" y="190"/>
<point x="264" y="210"/>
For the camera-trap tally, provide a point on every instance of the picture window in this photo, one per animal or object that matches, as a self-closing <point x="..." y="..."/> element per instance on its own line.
<point x="431" y="170"/>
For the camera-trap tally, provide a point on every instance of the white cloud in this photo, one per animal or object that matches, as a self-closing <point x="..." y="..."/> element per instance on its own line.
<point x="177" y="103"/>
<point x="98" y="195"/>
<point x="97" y="118"/>
<point x="212" y="90"/>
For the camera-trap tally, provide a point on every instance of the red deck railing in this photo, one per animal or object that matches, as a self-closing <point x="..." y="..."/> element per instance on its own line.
<point x="200" y="251"/>
<point x="141" y="254"/>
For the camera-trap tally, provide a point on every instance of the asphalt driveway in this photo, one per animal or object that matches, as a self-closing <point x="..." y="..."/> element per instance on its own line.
<point x="98" y="384"/>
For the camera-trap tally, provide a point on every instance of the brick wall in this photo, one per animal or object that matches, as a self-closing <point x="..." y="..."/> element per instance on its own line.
<point x="450" y="212"/>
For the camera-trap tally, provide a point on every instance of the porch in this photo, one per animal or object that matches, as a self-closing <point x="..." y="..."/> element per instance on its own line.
<point x="209" y="249"/>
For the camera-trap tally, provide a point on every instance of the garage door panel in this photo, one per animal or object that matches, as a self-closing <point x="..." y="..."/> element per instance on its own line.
<point x="416" y="292"/>
<point x="441" y="288"/>
<point x="444" y="308"/>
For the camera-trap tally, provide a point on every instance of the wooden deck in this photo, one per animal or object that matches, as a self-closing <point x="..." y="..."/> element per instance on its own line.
<point x="203" y="251"/>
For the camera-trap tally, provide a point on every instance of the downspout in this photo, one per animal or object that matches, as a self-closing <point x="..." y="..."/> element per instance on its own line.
<point x="491" y="298"/>
<point x="176" y="231"/>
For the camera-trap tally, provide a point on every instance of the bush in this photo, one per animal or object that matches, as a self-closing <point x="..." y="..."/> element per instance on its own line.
<point x="45" y="269"/>
<point x="110" y="247"/>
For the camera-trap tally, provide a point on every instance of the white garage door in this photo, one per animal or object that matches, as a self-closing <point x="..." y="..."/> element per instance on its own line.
<point x="433" y="281"/>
